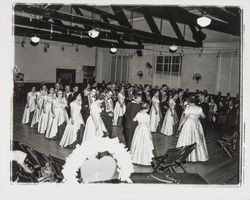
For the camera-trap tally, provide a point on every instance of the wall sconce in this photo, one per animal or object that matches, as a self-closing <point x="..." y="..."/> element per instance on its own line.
<point x="140" y="74"/>
<point x="197" y="77"/>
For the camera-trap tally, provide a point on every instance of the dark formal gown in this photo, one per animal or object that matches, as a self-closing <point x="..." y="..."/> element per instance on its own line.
<point x="129" y="126"/>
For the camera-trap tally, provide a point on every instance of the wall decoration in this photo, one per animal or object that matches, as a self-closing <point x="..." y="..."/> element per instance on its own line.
<point x="197" y="77"/>
<point x="140" y="74"/>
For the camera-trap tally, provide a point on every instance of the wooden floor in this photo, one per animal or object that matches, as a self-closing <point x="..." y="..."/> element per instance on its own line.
<point x="220" y="169"/>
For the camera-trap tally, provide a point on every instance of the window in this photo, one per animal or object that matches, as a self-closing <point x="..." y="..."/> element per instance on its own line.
<point x="169" y="65"/>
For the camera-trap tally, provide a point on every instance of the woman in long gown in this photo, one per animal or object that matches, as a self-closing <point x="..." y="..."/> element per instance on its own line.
<point x="30" y="106"/>
<point x="142" y="145"/>
<point x="120" y="107"/>
<point x="155" y="112"/>
<point x="46" y="111"/>
<point x="171" y="118"/>
<point x="39" y="104"/>
<point x="74" y="124"/>
<point x="58" y="117"/>
<point x="191" y="132"/>
<point x="94" y="125"/>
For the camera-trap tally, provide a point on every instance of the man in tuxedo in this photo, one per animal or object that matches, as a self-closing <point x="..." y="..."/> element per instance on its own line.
<point x="186" y="94"/>
<point x="68" y="96"/>
<point x="132" y="109"/>
<point x="86" y="102"/>
<point x="162" y="92"/>
<point x="108" y="112"/>
<point x="179" y="103"/>
<point x="231" y="114"/>
<point x="205" y="108"/>
<point x="145" y="94"/>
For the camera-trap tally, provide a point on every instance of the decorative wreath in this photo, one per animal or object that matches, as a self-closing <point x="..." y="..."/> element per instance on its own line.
<point x="94" y="149"/>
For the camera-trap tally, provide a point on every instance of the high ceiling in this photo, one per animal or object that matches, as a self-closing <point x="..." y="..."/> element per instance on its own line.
<point x="116" y="23"/>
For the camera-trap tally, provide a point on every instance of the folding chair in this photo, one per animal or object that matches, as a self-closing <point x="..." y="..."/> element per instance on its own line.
<point x="57" y="166"/>
<point x="166" y="162"/>
<point x="42" y="158"/>
<point x="15" y="145"/>
<point x="186" y="151"/>
<point x="230" y="143"/>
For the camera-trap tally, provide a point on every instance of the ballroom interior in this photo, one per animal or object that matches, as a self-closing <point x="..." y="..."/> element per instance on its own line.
<point x="194" y="47"/>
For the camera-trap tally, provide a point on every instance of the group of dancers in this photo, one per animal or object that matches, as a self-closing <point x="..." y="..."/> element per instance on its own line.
<point x="72" y="116"/>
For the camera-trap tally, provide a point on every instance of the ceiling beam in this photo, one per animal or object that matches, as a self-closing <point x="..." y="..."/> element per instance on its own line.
<point x="29" y="32"/>
<point x="173" y="23"/>
<point x="221" y="14"/>
<point x="120" y="16"/>
<point x="79" y="12"/>
<point x="41" y="25"/>
<point x="84" y="21"/>
<point x="104" y="15"/>
<point x="185" y="17"/>
<point x="122" y="19"/>
<point x="151" y="22"/>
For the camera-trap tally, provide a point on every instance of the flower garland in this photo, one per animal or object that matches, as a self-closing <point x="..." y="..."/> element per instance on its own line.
<point x="91" y="149"/>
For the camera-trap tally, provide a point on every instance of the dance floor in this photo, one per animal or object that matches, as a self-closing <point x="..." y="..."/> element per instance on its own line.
<point x="220" y="169"/>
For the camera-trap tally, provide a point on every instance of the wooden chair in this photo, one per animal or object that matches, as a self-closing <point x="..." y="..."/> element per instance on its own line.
<point x="230" y="143"/>
<point x="166" y="162"/>
<point x="181" y="160"/>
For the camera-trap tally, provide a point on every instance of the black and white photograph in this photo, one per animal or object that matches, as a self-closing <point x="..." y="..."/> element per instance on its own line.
<point x="114" y="94"/>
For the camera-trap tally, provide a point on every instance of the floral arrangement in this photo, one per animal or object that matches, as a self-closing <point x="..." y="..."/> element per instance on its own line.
<point x="93" y="149"/>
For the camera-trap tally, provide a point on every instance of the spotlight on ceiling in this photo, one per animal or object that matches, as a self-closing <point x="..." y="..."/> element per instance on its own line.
<point x="139" y="53"/>
<point x="199" y="36"/>
<point x="113" y="50"/>
<point x="204" y="21"/>
<point x="34" y="40"/>
<point x="173" y="48"/>
<point x="93" y="33"/>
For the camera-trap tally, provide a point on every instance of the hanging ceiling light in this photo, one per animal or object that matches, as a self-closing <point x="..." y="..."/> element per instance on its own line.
<point x="113" y="50"/>
<point x="93" y="33"/>
<point x="203" y="21"/>
<point x="173" y="48"/>
<point x="34" y="40"/>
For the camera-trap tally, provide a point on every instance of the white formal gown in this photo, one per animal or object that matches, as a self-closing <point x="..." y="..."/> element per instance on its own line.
<point x="120" y="108"/>
<point x="142" y="145"/>
<point x="169" y="120"/>
<point x="45" y="113"/>
<point x="31" y="102"/>
<point x="192" y="132"/>
<point x="90" y="131"/>
<point x="38" y="110"/>
<point x="61" y="116"/>
<point x="154" y="118"/>
<point x="71" y="130"/>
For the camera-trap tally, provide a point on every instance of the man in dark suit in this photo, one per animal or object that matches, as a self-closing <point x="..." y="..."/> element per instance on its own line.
<point x="179" y="103"/>
<point x="145" y="95"/>
<point x="231" y="114"/>
<point x="86" y="102"/>
<point x="186" y="94"/>
<point x="108" y="112"/>
<point x="132" y="109"/>
<point x="205" y="108"/>
<point x="68" y="96"/>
